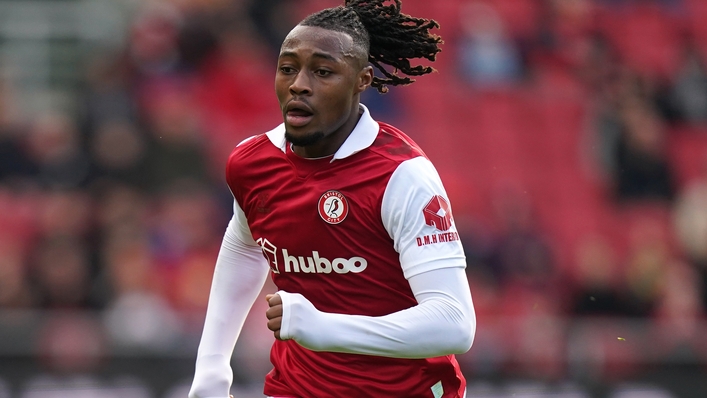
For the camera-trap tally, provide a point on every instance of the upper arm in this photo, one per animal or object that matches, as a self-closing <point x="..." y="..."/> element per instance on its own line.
<point x="417" y="214"/>
<point x="238" y="226"/>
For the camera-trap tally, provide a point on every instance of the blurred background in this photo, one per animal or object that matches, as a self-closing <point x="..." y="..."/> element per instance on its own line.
<point x="571" y="136"/>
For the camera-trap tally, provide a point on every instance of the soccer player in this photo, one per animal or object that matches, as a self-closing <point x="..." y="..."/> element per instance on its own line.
<point x="351" y="221"/>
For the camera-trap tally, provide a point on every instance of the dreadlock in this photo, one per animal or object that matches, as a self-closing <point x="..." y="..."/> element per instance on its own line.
<point x="388" y="36"/>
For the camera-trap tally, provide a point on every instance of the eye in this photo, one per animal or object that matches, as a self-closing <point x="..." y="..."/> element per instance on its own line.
<point x="287" y="69"/>
<point x="322" y="72"/>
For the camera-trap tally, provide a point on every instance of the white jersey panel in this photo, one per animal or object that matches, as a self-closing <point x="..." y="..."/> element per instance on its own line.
<point x="417" y="215"/>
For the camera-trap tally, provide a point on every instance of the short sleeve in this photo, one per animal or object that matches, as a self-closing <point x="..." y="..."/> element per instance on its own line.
<point x="417" y="214"/>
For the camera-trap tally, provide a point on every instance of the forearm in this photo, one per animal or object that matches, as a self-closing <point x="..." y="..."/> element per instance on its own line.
<point x="238" y="277"/>
<point x="442" y="323"/>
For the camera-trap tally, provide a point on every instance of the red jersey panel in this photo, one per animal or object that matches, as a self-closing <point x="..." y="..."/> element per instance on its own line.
<point x="319" y="224"/>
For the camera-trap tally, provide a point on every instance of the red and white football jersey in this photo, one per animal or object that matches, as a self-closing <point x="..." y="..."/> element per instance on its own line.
<point x="346" y="231"/>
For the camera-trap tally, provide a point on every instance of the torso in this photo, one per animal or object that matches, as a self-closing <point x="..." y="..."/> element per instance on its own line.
<point x="319" y="223"/>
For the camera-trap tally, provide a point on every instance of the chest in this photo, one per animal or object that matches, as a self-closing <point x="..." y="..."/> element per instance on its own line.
<point x="330" y="205"/>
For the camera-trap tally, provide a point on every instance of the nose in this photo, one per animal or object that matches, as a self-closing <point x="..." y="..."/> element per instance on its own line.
<point x="301" y="85"/>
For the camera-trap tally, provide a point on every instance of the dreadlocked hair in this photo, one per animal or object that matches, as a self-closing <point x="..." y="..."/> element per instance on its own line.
<point x="389" y="37"/>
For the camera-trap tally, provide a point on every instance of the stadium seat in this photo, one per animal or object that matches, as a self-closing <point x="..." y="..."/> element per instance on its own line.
<point x="697" y="15"/>
<point x="521" y="16"/>
<point x="648" y="38"/>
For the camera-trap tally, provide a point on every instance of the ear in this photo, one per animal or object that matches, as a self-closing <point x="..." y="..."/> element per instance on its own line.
<point x="364" y="79"/>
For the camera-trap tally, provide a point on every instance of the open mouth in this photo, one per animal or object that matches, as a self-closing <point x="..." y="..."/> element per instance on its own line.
<point x="298" y="117"/>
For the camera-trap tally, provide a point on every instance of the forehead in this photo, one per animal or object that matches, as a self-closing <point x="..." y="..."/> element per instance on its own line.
<point x="318" y="40"/>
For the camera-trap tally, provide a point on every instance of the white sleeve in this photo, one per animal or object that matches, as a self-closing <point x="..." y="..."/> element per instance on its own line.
<point x="418" y="217"/>
<point x="239" y="276"/>
<point x="443" y="322"/>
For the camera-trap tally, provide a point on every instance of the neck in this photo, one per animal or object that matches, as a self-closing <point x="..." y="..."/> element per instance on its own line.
<point x="331" y="142"/>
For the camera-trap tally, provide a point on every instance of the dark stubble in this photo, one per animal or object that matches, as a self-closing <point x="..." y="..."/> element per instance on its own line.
<point x="307" y="140"/>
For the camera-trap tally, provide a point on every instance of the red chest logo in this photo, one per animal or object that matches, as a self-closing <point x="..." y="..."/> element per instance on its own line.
<point x="333" y="207"/>
<point x="437" y="213"/>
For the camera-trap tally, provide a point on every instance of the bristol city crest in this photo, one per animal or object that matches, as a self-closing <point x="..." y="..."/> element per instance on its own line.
<point x="333" y="207"/>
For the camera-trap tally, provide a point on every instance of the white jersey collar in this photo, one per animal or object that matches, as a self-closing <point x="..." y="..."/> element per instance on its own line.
<point x="361" y="137"/>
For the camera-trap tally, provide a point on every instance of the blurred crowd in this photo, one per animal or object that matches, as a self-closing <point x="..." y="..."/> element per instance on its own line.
<point x="118" y="206"/>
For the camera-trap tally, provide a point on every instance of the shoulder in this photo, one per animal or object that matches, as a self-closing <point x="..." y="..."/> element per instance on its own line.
<point x="258" y="148"/>
<point x="249" y="147"/>
<point x="252" y="155"/>
<point x="395" y="145"/>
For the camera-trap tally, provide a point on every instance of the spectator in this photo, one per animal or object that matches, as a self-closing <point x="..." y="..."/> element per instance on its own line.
<point x="14" y="164"/>
<point x="643" y="171"/>
<point x="596" y="292"/>
<point x="61" y="273"/>
<point x="119" y="153"/>
<point x="630" y="136"/>
<point x="64" y="213"/>
<point x="690" y="220"/>
<point x="488" y="58"/>
<point x="679" y="311"/>
<point x="177" y="145"/>
<point x="522" y="256"/>
<point x="647" y="264"/>
<point x="136" y="317"/>
<point x="184" y="243"/>
<point x="108" y="96"/>
<point x="153" y="42"/>
<point x="121" y="209"/>
<point x="56" y="153"/>
<point x="688" y="96"/>
<point x="15" y="292"/>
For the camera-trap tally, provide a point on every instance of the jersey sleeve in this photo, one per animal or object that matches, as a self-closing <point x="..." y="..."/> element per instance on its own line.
<point x="418" y="217"/>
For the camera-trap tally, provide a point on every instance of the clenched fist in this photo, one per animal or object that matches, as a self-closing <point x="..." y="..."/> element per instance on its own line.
<point x="274" y="313"/>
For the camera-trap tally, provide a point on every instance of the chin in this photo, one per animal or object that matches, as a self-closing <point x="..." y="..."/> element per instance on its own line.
<point x="305" y="139"/>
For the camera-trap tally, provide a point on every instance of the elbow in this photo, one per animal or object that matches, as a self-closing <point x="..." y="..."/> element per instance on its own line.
<point x="464" y="340"/>
<point x="468" y="338"/>
<point x="464" y="333"/>
<point x="458" y="330"/>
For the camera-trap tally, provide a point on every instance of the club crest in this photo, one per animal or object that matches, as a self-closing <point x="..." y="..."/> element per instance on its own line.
<point x="333" y="207"/>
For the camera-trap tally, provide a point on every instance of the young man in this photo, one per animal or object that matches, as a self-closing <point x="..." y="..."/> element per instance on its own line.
<point x="351" y="221"/>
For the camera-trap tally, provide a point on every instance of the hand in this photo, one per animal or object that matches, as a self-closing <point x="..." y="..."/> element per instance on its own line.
<point x="274" y="313"/>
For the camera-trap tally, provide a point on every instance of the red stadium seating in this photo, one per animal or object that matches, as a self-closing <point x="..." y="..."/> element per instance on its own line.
<point x="647" y="36"/>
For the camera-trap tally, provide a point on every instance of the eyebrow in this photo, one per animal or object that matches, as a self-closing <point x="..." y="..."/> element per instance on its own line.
<point x="322" y="55"/>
